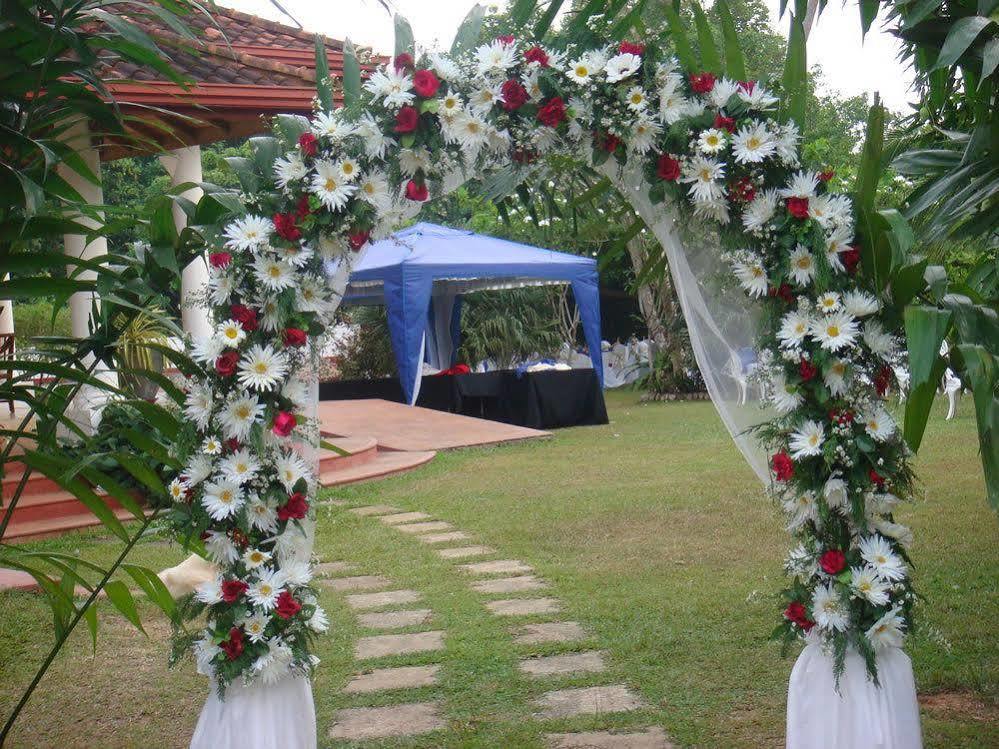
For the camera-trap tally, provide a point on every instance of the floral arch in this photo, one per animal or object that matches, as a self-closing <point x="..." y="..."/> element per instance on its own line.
<point x="706" y="163"/>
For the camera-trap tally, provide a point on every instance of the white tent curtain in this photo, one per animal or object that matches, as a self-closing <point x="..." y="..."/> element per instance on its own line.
<point x="438" y="344"/>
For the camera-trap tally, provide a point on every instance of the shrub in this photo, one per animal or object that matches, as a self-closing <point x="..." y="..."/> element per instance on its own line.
<point x="32" y="319"/>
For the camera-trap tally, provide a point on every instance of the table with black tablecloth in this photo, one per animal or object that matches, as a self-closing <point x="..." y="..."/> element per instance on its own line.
<point x="541" y="400"/>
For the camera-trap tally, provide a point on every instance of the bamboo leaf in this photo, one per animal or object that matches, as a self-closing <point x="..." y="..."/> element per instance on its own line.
<point x="983" y="370"/>
<point x="121" y="598"/>
<point x="961" y="36"/>
<point x="684" y="52"/>
<point x="868" y="12"/>
<point x="522" y="10"/>
<point x="544" y="24"/>
<point x="403" y="36"/>
<point x="153" y="587"/>
<point x="735" y="62"/>
<point x="324" y="86"/>
<point x="706" y="41"/>
<point x="925" y="329"/>
<point x="468" y="32"/>
<point x="795" y="73"/>
<point x="351" y="75"/>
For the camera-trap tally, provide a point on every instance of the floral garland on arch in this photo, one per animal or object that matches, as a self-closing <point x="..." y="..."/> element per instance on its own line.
<point x="708" y="146"/>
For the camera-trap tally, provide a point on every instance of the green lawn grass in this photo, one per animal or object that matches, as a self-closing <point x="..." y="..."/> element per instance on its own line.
<point x="653" y="533"/>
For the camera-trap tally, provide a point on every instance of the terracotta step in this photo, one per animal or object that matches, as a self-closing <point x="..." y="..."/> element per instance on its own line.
<point x="37" y="483"/>
<point x="361" y="449"/>
<point x="28" y="530"/>
<point x="385" y="463"/>
<point x="54" y="504"/>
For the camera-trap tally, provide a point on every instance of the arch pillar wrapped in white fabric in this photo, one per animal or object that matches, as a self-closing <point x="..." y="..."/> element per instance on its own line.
<point x="862" y="715"/>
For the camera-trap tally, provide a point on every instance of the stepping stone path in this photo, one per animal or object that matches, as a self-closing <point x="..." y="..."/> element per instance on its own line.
<point x="329" y="569"/>
<point x="359" y="582"/>
<point x="498" y="577"/>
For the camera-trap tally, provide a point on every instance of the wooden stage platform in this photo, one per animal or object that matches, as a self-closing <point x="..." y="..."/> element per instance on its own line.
<point x="397" y="426"/>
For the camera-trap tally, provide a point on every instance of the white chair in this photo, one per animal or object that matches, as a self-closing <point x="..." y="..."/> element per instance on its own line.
<point x="740" y="366"/>
<point x="952" y="386"/>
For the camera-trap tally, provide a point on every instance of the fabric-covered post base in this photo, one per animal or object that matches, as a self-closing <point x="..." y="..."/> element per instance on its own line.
<point x="861" y="715"/>
<point x="260" y="716"/>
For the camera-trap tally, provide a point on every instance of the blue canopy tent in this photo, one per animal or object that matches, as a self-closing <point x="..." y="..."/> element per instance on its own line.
<point x="420" y="273"/>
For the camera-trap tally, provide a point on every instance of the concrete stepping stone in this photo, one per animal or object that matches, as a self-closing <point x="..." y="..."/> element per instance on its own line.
<point x="378" y="646"/>
<point x="333" y="503"/>
<point x="395" y="619"/>
<point x="369" y="510"/>
<point x="439" y="538"/>
<point x="535" y="634"/>
<point x="523" y="606"/>
<point x="565" y="703"/>
<point x="358" y="723"/>
<point x="364" y="601"/>
<point x="569" y="663"/>
<point x="497" y="567"/>
<point x="329" y="569"/>
<point x="463" y="552"/>
<point x="650" y="738"/>
<point x="433" y="525"/>
<point x="357" y="582"/>
<point x="509" y="584"/>
<point x="384" y="679"/>
<point x="404" y="517"/>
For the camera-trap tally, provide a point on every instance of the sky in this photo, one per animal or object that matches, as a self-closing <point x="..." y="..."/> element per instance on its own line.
<point x="850" y="65"/>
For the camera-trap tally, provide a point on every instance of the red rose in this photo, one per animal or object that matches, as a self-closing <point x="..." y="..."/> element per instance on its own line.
<point x="286" y="605"/>
<point x="284" y="225"/>
<point x="294" y="337"/>
<point x="506" y="39"/>
<point x="295" y="508"/>
<point x="245" y="316"/>
<point x="220" y="259"/>
<point x="795" y="612"/>
<point x="284" y="423"/>
<point x="538" y="55"/>
<point x="668" y="168"/>
<point x="225" y="365"/>
<point x="807" y="370"/>
<point x="232" y="590"/>
<point x="553" y="112"/>
<point x="407" y="119"/>
<point x="833" y="561"/>
<point x="607" y="142"/>
<point x="514" y="95"/>
<point x="309" y="144"/>
<point x="403" y="60"/>
<point x="524" y="156"/>
<point x="882" y="380"/>
<point x="725" y="123"/>
<point x="876" y="477"/>
<point x="239" y="538"/>
<point x="743" y="190"/>
<point x="232" y="444"/>
<point x="851" y="259"/>
<point x="785" y="293"/>
<point x="631" y="48"/>
<point x="302" y="209"/>
<point x="357" y="239"/>
<point x="233" y="647"/>
<point x="702" y="83"/>
<point x="798" y="207"/>
<point x="417" y="192"/>
<point x="826" y="175"/>
<point x="783" y="466"/>
<point x="425" y="83"/>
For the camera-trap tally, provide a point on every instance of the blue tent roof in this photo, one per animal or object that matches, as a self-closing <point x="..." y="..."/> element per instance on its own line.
<point x="423" y="261"/>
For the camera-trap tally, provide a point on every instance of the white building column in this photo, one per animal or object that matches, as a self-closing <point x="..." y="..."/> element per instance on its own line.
<point x="184" y="165"/>
<point x="6" y="313"/>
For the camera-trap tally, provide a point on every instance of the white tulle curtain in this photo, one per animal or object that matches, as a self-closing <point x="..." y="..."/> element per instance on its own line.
<point x="722" y="326"/>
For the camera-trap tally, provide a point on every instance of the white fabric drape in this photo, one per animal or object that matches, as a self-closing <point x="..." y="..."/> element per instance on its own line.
<point x="862" y="715"/>
<point x="722" y="327"/>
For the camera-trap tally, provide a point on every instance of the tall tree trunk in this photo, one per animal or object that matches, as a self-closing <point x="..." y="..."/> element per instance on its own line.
<point x="647" y="296"/>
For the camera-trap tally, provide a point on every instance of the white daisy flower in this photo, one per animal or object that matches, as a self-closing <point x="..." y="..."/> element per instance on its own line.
<point x="376" y="143"/>
<point x="239" y="467"/>
<point x="801" y="508"/>
<point x="895" y="531"/>
<point x="644" y="133"/>
<point x="636" y="99"/>
<point x="758" y="98"/>
<point x="318" y="622"/>
<point x="835" y="493"/>
<point x="760" y="210"/>
<point x="449" y="105"/>
<point x="715" y="209"/>
<point x="374" y="189"/>
<point x="752" y="275"/>
<point x="275" y="664"/>
<point x="877" y="552"/>
<point x="702" y="174"/>
<point x="837" y="241"/>
<point x="807" y="440"/>
<point x="290" y="469"/>
<point x="211" y="446"/>
<point x="333" y="126"/>
<point x="311" y="297"/>
<point x="255" y="626"/>
<point x="230" y="334"/>
<point x="176" y="490"/>
<point x="583" y="69"/>
<point x="829" y="610"/>
<point x="867" y="585"/>
<point x="205" y="651"/>
<point x="221" y="287"/>
<point x="878" y="341"/>
<point x="271" y="317"/>
<point x="784" y="396"/>
<point x="445" y="68"/>
<point x="393" y="86"/>
<point x="274" y="274"/>
<point x="802" y="265"/>
<point x="828" y="302"/>
<point x="296" y="391"/>
<point x="248" y="233"/>
<point x="878" y="423"/>
<point x="239" y="415"/>
<point x="753" y="143"/>
<point x="262" y="367"/>
<point x="722" y="91"/>
<point x="198" y="405"/>
<point x="835" y="377"/>
<point x="622" y="66"/>
<point x="412" y="160"/>
<point x="297" y="255"/>
<point x="265" y="590"/>
<point x="485" y="98"/>
<point x="888" y="631"/>
<point x="712" y="140"/>
<point x="297" y="573"/>
<point x="198" y="468"/>
<point x="220" y="548"/>
<point x="289" y="168"/>
<point x="330" y="187"/>
<point x="835" y="331"/>
<point x="860" y="303"/>
<point x="787" y="143"/>
<point x="495" y="58"/>
<point x="222" y="499"/>
<point x="348" y="169"/>
<point x="793" y="329"/>
<point x="469" y="131"/>
<point x="672" y="104"/>
<point x="820" y="208"/>
<point x="261" y="516"/>
<point x="253" y="558"/>
<point x="801" y="185"/>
